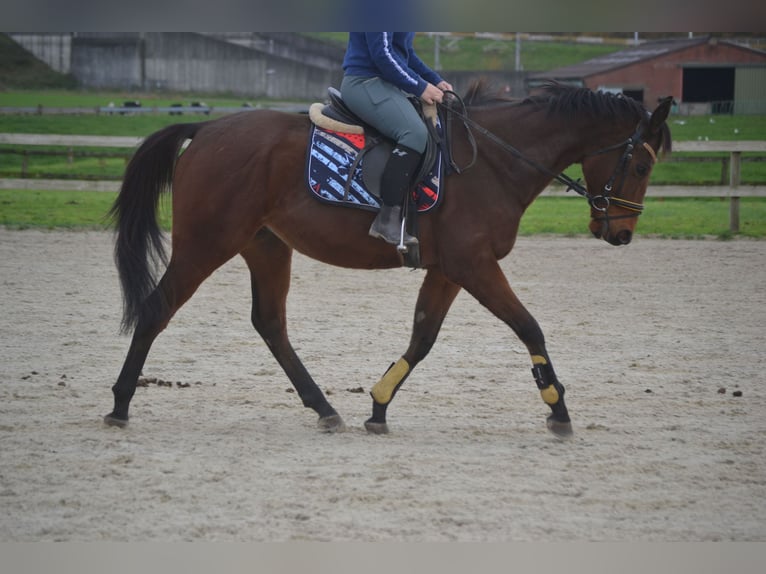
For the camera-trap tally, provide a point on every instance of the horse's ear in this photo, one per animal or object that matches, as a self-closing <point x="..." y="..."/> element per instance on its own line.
<point x="660" y="114"/>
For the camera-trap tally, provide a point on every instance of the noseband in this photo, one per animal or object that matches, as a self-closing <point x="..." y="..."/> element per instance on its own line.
<point x="600" y="202"/>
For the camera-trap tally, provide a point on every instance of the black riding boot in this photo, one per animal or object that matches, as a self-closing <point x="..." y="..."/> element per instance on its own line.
<point x="395" y="183"/>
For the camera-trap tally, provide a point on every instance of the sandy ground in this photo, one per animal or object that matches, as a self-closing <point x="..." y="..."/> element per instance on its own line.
<point x="644" y="338"/>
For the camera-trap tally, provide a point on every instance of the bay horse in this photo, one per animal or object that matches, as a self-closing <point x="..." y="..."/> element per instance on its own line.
<point x="239" y="189"/>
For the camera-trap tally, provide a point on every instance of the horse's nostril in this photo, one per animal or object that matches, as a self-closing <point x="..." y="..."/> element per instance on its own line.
<point x="624" y="236"/>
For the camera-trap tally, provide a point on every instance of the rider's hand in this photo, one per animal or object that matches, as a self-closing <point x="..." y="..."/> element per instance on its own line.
<point x="445" y="86"/>
<point x="432" y="94"/>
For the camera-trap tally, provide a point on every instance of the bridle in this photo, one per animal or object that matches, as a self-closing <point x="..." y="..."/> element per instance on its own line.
<point x="608" y="197"/>
<point x="599" y="202"/>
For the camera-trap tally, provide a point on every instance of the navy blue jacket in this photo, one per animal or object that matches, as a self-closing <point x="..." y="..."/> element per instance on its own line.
<point x="388" y="55"/>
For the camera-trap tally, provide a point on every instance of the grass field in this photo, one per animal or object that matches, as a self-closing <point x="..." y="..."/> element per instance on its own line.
<point x="471" y="53"/>
<point x="671" y="218"/>
<point x="672" y="171"/>
<point x="24" y="209"/>
<point x="56" y="98"/>
<point x="668" y="218"/>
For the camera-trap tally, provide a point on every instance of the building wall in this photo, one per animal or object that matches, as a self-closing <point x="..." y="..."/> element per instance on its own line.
<point x="194" y="62"/>
<point x="290" y="45"/>
<point x="107" y="61"/>
<point x="663" y="76"/>
<point x="251" y="64"/>
<point x="750" y="90"/>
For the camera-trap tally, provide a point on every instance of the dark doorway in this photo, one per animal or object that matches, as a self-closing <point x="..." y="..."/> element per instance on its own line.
<point x="708" y="84"/>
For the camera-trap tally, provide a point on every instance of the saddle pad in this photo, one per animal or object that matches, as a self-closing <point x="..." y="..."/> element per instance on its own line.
<point x="331" y="157"/>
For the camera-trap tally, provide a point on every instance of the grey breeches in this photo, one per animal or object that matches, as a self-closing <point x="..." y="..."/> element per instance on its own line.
<point x="385" y="107"/>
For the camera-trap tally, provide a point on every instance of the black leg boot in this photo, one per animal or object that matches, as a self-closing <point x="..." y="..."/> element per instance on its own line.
<point x="395" y="183"/>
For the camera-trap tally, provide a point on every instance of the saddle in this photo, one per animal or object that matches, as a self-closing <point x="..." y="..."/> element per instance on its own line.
<point x="374" y="148"/>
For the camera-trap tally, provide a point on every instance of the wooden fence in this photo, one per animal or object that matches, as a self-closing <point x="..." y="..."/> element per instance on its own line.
<point x="732" y="190"/>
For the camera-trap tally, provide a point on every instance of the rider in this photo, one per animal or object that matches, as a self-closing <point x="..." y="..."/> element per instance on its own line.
<point x="380" y="69"/>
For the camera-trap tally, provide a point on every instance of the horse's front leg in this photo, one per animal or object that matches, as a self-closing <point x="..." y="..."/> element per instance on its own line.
<point x="490" y="287"/>
<point x="436" y="296"/>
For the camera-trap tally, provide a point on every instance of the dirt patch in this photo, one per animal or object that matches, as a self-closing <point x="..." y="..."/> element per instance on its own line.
<point x="659" y="344"/>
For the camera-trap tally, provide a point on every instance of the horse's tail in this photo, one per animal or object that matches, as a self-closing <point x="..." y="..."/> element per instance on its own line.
<point x="139" y="248"/>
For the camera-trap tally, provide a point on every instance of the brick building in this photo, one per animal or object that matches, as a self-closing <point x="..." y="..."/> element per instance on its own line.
<point x="704" y="75"/>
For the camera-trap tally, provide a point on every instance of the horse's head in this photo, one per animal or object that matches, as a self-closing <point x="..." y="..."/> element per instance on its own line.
<point x="617" y="176"/>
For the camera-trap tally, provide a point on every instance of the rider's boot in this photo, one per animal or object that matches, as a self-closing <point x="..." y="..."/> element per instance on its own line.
<point x="395" y="183"/>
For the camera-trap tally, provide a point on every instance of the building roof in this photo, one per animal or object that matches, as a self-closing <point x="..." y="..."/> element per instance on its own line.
<point x="629" y="56"/>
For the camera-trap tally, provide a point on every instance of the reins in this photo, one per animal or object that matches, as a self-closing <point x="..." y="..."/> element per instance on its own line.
<point x="601" y="202"/>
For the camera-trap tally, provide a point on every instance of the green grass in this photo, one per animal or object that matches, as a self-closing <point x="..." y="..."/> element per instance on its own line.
<point x="471" y="53"/>
<point x="480" y="54"/>
<point x="718" y="127"/>
<point x="59" y="167"/>
<point x="81" y="98"/>
<point x="672" y="218"/>
<point x="49" y="209"/>
<point x="22" y="209"/>
<point x="673" y="171"/>
<point x="97" y="125"/>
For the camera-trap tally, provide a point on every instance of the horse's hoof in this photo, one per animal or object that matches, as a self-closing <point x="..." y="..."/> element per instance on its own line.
<point x="376" y="428"/>
<point x="331" y="424"/>
<point x="560" y="429"/>
<point x="112" y="421"/>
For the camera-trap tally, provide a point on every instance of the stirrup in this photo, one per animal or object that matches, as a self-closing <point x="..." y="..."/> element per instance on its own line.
<point x="402" y="247"/>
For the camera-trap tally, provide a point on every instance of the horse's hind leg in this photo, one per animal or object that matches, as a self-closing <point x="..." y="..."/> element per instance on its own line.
<point x="125" y="387"/>
<point x="435" y="298"/>
<point x="269" y="260"/>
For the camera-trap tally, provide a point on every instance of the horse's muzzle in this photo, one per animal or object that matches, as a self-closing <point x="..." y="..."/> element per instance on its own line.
<point x="622" y="237"/>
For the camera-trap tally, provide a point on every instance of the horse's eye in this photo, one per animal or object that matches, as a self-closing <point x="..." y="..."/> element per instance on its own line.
<point x="642" y="169"/>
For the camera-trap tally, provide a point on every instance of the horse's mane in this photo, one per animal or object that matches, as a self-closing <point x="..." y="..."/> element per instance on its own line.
<point x="561" y="99"/>
<point x="558" y="99"/>
<point x="567" y="101"/>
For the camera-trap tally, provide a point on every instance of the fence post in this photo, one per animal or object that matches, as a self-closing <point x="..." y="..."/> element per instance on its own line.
<point x="734" y="179"/>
